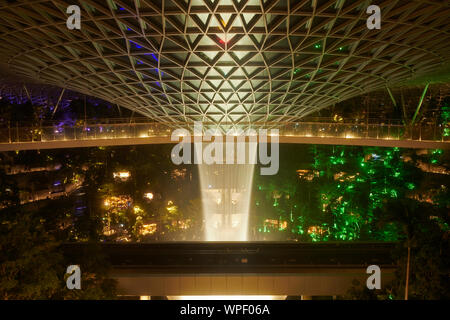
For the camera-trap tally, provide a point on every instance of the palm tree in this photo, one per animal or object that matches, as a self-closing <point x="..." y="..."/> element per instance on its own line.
<point x="410" y="215"/>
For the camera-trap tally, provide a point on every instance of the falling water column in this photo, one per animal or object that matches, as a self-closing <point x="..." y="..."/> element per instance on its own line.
<point x="226" y="193"/>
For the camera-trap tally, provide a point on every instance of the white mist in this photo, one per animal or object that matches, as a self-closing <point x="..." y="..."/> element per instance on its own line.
<point x="226" y="195"/>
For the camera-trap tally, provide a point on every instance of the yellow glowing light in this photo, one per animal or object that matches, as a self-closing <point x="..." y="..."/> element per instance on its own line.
<point x="148" y="195"/>
<point x="119" y="202"/>
<point x="137" y="210"/>
<point x="270" y="221"/>
<point x="172" y="209"/>
<point x="148" y="229"/>
<point x="316" y="230"/>
<point x="123" y="175"/>
<point x="107" y="231"/>
<point x="184" y="224"/>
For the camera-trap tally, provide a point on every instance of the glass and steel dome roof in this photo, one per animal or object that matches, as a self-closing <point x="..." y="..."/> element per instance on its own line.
<point x="224" y="61"/>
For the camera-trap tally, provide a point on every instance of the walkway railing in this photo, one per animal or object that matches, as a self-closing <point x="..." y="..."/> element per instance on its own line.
<point x="143" y="128"/>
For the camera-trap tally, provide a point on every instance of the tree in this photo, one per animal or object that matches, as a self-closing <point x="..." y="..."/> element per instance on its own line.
<point x="193" y="211"/>
<point x="30" y="265"/>
<point x="95" y="283"/>
<point x="421" y="235"/>
<point x="359" y="291"/>
<point x="32" y="260"/>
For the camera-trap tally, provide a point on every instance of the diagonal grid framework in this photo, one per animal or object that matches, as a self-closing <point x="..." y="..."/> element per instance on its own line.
<point x="224" y="61"/>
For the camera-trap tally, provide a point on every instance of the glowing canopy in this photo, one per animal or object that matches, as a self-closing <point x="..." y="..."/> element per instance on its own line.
<point x="224" y="60"/>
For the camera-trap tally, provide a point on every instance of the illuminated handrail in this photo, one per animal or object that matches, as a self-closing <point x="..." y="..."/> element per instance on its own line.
<point x="145" y="128"/>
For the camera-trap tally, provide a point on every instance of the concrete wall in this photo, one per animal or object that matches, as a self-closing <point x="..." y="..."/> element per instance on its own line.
<point x="311" y="282"/>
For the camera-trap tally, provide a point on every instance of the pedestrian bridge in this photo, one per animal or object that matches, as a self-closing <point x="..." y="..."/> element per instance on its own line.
<point x="240" y="268"/>
<point x="119" y="132"/>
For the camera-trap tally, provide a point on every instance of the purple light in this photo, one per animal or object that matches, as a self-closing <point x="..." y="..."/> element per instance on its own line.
<point x="136" y="45"/>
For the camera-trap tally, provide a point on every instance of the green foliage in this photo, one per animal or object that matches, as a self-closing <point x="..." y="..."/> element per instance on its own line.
<point x="95" y="283"/>
<point x="338" y="197"/>
<point x="32" y="264"/>
<point x="359" y="291"/>
<point x="420" y="227"/>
